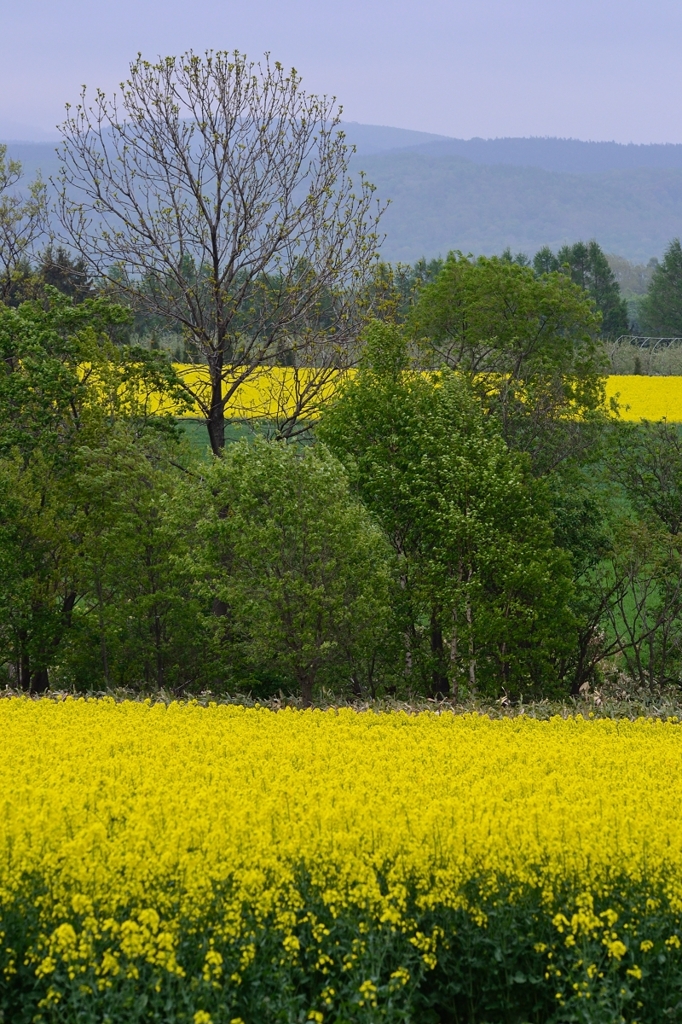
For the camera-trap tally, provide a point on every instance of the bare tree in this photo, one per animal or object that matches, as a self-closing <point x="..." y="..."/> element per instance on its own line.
<point x="22" y="220"/>
<point x="215" y="193"/>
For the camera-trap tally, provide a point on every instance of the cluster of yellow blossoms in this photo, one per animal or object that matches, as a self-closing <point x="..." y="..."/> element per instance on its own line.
<point x="133" y="814"/>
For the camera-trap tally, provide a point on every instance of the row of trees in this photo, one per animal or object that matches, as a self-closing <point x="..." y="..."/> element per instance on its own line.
<point x="657" y="314"/>
<point x="409" y="548"/>
<point x="483" y="531"/>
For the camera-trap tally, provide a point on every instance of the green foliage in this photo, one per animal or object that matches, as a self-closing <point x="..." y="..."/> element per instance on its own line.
<point x="137" y="622"/>
<point x="529" y="345"/>
<point x="660" y="311"/>
<point x="480" y="538"/>
<point x="23" y="216"/>
<point x="300" y="571"/>
<point x="505" y="958"/>
<point x="647" y="461"/>
<point x="643" y="573"/>
<point x="394" y="288"/>
<point x="588" y="267"/>
<point x="71" y="405"/>
<point x="493" y="315"/>
<point x="55" y="268"/>
<point x="482" y="593"/>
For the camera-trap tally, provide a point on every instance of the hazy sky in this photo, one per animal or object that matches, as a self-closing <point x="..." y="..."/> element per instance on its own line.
<point x="590" y="69"/>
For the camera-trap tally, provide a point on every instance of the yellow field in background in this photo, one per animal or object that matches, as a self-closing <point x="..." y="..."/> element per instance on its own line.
<point x="274" y="390"/>
<point x="267" y="393"/>
<point x="647" y="398"/>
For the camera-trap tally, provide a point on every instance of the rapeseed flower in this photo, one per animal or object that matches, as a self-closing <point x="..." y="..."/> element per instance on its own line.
<point x="138" y="838"/>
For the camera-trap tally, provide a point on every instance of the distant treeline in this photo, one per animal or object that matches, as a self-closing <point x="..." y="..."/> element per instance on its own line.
<point x="633" y="300"/>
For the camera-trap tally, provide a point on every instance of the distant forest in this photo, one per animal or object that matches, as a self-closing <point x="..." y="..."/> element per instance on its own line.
<point x="482" y="196"/>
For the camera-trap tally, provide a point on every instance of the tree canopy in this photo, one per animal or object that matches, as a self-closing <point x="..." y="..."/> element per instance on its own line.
<point x="660" y="311"/>
<point x="483" y="592"/>
<point x="215" y="194"/>
<point x="529" y="345"/>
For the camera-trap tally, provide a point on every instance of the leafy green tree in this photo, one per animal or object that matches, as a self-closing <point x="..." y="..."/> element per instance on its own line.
<point x="63" y="388"/>
<point x="138" y="623"/>
<point x="482" y="592"/>
<point x="639" y="579"/>
<point x="300" y="569"/>
<point x="647" y="462"/>
<point x="37" y="558"/>
<point x="621" y="526"/>
<point x="528" y="344"/>
<point x="22" y="222"/>
<point x="660" y="311"/>
<point x="585" y="511"/>
<point x="493" y="315"/>
<point x="641" y="589"/>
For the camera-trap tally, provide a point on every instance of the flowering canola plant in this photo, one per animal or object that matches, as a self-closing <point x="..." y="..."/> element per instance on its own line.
<point x="274" y="390"/>
<point x="245" y="865"/>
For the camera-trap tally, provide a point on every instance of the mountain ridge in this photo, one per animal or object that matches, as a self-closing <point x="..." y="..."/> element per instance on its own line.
<point x="481" y="196"/>
<point x="448" y="202"/>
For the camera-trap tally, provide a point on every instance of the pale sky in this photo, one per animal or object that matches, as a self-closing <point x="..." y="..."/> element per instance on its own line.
<point x="587" y="69"/>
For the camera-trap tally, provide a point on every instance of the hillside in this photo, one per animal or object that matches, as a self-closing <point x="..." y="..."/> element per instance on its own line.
<point x="447" y="202"/>
<point x="569" y="156"/>
<point x="482" y="195"/>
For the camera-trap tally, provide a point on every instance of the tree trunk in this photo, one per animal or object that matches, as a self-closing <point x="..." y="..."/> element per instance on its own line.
<point x="307" y="683"/>
<point x="472" y="652"/>
<point x="216" y="415"/>
<point x="102" y="633"/>
<point x="454" y="684"/>
<point x="40" y="681"/>
<point x="439" y="677"/>
<point x="24" y="671"/>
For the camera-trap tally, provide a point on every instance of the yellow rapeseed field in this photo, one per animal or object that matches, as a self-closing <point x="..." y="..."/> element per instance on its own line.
<point x="264" y="394"/>
<point x="273" y="390"/>
<point x="112" y="798"/>
<point x="121" y="821"/>
<point x="647" y="398"/>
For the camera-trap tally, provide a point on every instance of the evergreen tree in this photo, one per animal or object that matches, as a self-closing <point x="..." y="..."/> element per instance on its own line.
<point x="660" y="311"/>
<point x="545" y="261"/>
<point x="66" y="273"/>
<point x="589" y="268"/>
